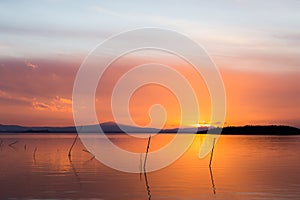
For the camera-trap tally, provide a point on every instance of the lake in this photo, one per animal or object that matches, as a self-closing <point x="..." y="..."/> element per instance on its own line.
<point x="243" y="167"/>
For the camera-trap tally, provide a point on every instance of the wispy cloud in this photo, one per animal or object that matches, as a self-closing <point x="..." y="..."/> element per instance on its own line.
<point x="33" y="66"/>
<point x="12" y="98"/>
<point x="4" y="94"/>
<point x="40" y="106"/>
<point x="57" y="104"/>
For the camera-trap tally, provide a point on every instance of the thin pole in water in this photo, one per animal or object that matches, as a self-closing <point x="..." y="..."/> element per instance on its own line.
<point x="212" y="152"/>
<point x="11" y="144"/>
<point x="147" y="152"/>
<point x="1" y="143"/>
<point x="70" y="151"/>
<point x="147" y="186"/>
<point x="212" y="180"/>
<point x="34" y="152"/>
<point x="141" y="168"/>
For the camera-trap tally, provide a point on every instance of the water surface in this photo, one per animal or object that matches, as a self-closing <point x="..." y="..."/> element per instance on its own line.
<point x="243" y="167"/>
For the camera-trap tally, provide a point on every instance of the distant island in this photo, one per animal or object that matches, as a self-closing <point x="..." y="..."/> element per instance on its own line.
<point x="110" y="127"/>
<point x="258" y="130"/>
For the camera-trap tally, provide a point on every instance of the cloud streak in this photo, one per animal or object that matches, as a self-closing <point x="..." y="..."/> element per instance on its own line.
<point x="56" y="104"/>
<point x="33" y="66"/>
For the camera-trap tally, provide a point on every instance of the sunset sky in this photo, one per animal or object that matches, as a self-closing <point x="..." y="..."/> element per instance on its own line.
<point x="255" y="44"/>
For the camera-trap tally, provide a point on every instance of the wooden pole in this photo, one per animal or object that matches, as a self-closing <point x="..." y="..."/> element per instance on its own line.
<point x="145" y="173"/>
<point x="147" y="186"/>
<point x="70" y="151"/>
<point x="212" y="152"/>
<point x="35" y="149"/>
<point x="212" y="180"/>
<point x="1" y="144"/>
<point x="141" y="168"/>
<point x="11" y="144"/>
<point x="148" y="145"/>
<point x="87" y="151"/>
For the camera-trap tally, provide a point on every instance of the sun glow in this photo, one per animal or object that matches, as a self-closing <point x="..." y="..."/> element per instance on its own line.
<point x="202" y="124"/>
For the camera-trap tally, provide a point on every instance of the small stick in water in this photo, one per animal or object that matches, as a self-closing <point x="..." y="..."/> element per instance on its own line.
<point x="147" y="186"/>
<point x="1" y="143"/>
<point x="25" y="147"/>
<point x="15" y="142"/>
<point x="70" y="151"/>
<point x="35" y="149"/>
<point x="147" y="152"/>
<point x="87" y="151"/>
<point x="141" y="163"/>
<point x="212" y="153"/>
<point x="212" y="180"/>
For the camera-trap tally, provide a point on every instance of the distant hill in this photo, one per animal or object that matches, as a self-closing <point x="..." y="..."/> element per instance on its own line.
<point x="107" y="127"/>
<point x="110" y="127"/>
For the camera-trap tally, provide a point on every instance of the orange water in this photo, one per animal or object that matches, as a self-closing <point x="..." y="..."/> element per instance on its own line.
<point x="243" y="167"/>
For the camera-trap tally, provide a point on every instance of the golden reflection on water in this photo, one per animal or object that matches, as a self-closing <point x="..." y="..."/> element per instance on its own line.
<point x="243" y="167"/>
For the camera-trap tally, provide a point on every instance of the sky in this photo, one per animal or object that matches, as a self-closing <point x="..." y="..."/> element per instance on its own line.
<point x="255" y="45"/>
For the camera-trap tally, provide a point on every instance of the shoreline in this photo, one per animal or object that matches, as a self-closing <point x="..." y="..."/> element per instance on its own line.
<point x="115" y="129"/>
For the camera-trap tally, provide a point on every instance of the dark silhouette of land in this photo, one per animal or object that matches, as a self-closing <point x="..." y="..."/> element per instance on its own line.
<point x="257" y="130"/>
<point x="110" y="127"/>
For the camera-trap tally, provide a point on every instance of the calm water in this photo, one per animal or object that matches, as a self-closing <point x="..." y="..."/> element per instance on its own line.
<point x="244" y="167"/>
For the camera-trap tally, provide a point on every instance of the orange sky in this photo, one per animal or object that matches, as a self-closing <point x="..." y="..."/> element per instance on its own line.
<point x="255" y="45"/>
<point x="42" y="95"/>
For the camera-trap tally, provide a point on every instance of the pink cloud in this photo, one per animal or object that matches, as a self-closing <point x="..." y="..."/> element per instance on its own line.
<point x="33" y="66"/>
<point x="56" y="104"/>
